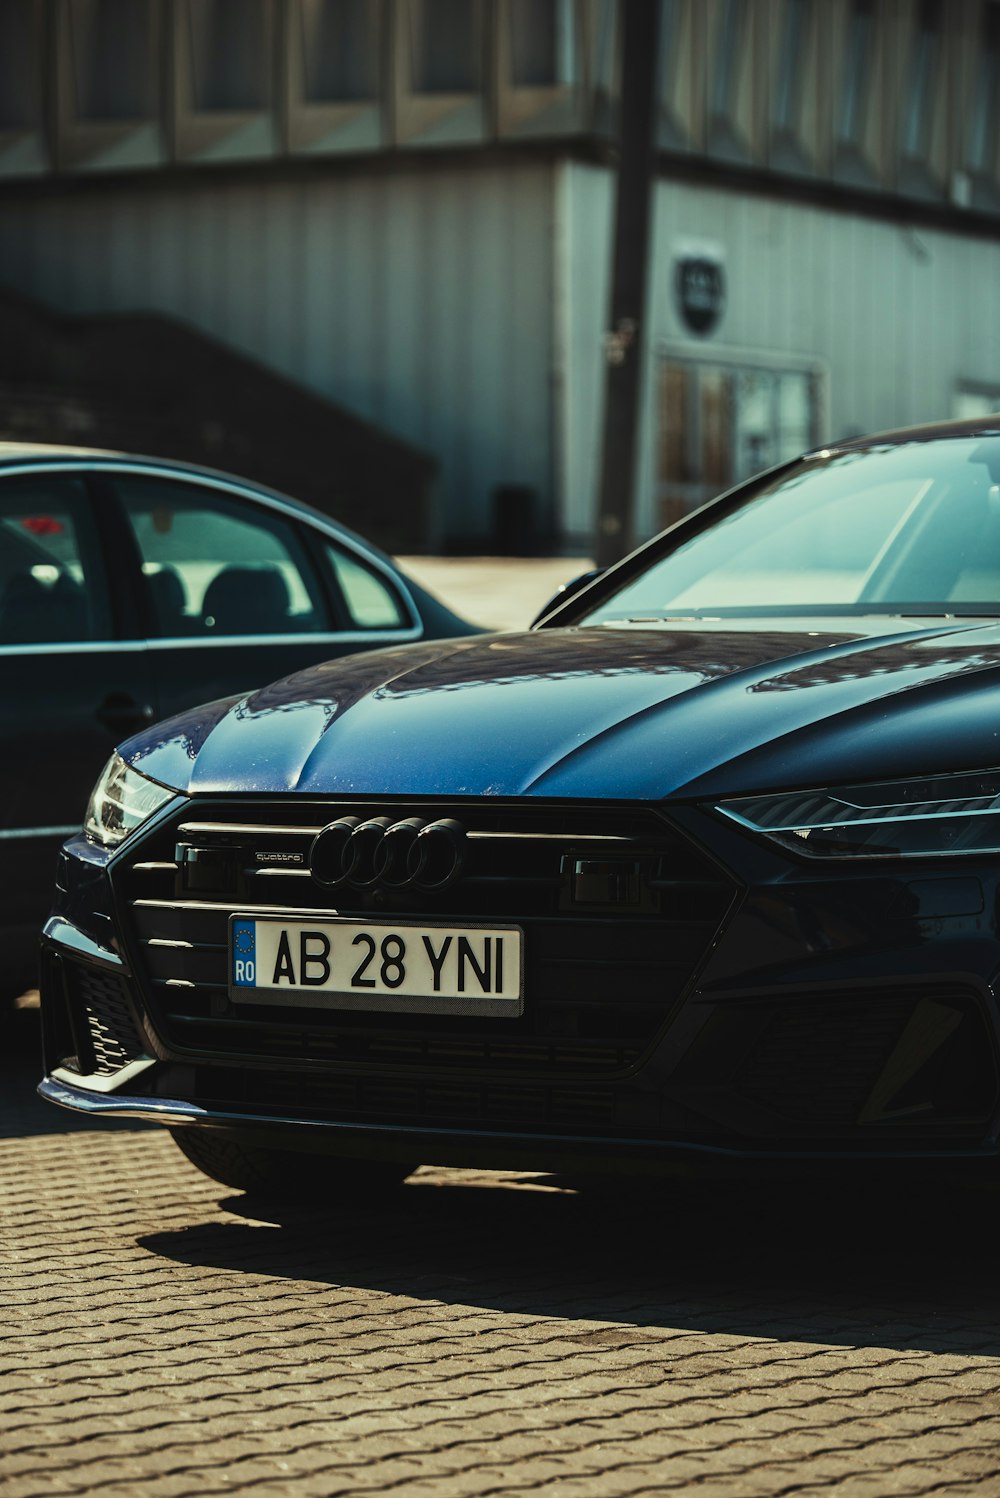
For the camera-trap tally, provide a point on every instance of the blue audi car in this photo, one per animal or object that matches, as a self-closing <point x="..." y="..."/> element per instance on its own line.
<point x="700" y="869"/>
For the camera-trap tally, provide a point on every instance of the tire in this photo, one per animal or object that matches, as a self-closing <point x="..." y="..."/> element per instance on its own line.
<point x="232" y="1160"/>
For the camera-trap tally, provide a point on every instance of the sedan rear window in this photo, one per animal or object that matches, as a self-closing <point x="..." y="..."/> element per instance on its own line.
<point x="370" y="600"/>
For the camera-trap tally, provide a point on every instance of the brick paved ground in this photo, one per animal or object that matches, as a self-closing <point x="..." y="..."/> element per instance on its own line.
<point x="477" y="1335"/>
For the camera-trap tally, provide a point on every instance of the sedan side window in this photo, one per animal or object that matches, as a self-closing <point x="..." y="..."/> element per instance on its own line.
<point x="370" y="599"/>
<point x="216" y="565"/>
<point x="52" y="587"/>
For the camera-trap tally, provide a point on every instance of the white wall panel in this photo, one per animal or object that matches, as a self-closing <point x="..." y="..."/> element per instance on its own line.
<point x="586" y="203"/>
<point x="898" y="317"/>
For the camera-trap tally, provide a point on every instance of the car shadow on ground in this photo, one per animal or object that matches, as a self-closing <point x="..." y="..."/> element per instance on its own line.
<point x="896" y="1269"/>
<point x="839" y="1262"/>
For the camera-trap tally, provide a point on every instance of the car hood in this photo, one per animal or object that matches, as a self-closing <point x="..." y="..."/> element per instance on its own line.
<point x="687" y="710"/>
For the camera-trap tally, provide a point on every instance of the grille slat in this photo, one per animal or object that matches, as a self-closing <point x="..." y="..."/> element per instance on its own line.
<point x="336" y="1047"/>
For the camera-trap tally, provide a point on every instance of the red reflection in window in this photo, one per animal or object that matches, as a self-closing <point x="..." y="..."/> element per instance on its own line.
<point x="43" y="525"/>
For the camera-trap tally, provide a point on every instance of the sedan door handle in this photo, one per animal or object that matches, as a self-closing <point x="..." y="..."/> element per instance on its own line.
<point x="121" y="712"/>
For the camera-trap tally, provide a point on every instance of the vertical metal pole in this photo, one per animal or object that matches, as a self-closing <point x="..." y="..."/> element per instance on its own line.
<point x="624" y="340"/>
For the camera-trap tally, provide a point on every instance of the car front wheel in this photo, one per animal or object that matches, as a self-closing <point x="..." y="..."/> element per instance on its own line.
<point x="230" y="1158"/>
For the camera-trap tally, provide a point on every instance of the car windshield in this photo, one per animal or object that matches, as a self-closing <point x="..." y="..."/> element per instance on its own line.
<point x="912" y="528"/>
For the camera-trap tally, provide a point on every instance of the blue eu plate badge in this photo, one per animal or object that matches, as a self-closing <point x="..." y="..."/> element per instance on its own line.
<point x="245" y="954"/>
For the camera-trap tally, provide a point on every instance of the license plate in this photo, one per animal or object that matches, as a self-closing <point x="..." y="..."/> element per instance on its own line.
<point x="393" y="966"/>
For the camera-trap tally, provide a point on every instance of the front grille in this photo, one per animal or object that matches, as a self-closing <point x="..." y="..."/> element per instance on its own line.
<point x="601" y="980"/>
<point x="474" y="1101"/>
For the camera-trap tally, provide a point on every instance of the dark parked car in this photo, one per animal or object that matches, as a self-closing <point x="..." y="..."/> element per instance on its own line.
<point x="133" y="588"/>
<point x="705" y="866"/>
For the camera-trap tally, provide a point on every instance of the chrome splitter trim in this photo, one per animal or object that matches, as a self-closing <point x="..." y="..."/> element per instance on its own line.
<point x="104" y="1082"/>
<point x="63" y="933"/>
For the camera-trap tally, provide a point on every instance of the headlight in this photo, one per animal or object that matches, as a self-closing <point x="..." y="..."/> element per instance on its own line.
<point x="122" y="800"/>
<point x="898" y="819"/>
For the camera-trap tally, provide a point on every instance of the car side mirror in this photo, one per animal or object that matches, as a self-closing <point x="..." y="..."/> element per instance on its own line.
<point x="575" y="585"/>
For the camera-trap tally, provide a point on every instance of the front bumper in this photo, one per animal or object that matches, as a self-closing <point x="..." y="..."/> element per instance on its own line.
<point x="831" y="1019"/>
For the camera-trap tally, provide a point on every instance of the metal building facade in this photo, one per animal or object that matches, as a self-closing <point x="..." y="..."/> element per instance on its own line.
<point x="405" y="205"/>
<point x="885" y="323"/>
<point x="421" y="300"/>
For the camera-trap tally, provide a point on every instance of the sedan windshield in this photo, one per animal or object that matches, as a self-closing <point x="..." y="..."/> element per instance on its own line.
<point x="912" y="528"/>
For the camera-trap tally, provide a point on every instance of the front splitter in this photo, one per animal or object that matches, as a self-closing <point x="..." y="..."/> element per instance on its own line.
<point x="507" y="1150"/>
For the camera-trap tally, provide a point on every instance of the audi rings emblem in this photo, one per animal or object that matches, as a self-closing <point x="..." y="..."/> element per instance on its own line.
<point x="396" y="855"/>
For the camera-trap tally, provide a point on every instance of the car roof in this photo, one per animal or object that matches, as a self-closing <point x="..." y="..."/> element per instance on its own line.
<point x="20" y="452"/>
<point x="974" y="426"/>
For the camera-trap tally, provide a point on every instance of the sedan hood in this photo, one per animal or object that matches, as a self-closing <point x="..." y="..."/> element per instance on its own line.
<point x="624" y="713"/>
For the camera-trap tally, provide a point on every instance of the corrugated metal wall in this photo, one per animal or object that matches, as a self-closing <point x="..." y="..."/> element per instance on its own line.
<point x="463" y="307"/>
<point x="900" y="318"/>
<point x="421" y="300"/>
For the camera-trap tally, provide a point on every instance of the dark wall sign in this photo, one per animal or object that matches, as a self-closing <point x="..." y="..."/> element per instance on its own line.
<point x="700" y="288"/>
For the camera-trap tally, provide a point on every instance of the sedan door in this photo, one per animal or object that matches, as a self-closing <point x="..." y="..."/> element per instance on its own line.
<point x="239" y="591"/>
<point x="70" y="686"/>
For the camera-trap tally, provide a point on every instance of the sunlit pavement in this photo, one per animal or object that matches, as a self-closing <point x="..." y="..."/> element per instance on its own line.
<point x="477" y="1334"/>
<point x="498" y="592"/>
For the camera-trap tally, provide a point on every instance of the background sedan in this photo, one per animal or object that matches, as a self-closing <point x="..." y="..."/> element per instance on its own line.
<point x="131" y="589"/>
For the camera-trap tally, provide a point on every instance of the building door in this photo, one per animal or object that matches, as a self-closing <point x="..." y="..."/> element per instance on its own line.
<point x="722" y="422"/>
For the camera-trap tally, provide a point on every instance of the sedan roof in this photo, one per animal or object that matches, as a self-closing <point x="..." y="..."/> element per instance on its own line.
<point x="14" y="454"/>
<point x="20" y="452"/>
